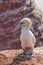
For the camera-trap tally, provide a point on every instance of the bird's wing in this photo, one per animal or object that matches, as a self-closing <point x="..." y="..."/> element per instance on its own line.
<point x="34" y="40"/>
<point x="33" y="37"/>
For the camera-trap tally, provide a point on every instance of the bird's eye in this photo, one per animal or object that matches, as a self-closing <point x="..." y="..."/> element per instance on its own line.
<point x="22" y="23"/>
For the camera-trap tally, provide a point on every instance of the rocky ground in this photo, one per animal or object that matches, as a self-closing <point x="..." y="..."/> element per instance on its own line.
<point x="13" y="57"/>
<point x="11" y="12"/>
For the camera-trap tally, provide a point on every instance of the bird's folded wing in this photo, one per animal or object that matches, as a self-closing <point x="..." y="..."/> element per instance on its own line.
<point x="34" y="40"/>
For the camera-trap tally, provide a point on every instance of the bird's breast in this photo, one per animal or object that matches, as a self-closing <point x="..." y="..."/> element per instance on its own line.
<point x="25" y="32"/>
<point x="26" y="38"/>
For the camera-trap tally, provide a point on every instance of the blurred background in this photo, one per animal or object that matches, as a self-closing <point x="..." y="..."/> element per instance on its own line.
<point x="39" y="4"/>
<point x="11" y="12"/>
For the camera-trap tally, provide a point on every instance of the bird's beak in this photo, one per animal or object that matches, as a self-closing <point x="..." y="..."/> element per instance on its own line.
<point x="19" y="26"/>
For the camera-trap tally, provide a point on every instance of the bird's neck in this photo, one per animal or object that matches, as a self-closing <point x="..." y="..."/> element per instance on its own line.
<point x="24" y="29"/>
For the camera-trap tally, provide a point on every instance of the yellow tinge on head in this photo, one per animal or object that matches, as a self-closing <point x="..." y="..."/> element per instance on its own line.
<point x="24" y="22"/>
<point x="27" y="22"/>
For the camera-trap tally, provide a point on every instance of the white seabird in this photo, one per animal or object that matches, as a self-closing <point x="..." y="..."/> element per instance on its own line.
<point x="27" y="38"/>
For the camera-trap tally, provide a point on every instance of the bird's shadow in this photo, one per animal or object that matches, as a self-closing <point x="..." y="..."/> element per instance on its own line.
<point x="20" y="58"/>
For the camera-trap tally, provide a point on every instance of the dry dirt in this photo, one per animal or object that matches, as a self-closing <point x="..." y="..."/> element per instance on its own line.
<point x="13" y="57"/>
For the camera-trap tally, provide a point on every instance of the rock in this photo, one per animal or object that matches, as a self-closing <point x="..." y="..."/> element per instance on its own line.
<point x="7" y="56"/>
<point x="12" y="57"/>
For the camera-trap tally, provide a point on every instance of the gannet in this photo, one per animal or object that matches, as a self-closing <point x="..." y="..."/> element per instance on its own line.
<point x="27" y="38"/>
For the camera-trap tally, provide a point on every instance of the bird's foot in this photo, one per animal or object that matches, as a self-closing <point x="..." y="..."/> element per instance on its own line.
<point x="27" y="54"/>
<point x="23" y="54"/>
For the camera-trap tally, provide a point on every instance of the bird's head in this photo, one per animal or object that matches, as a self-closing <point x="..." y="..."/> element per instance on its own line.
<point x="24" y="22"/>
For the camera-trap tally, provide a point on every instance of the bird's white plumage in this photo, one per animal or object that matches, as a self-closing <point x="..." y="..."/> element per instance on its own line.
<point x="27" y="38"/>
